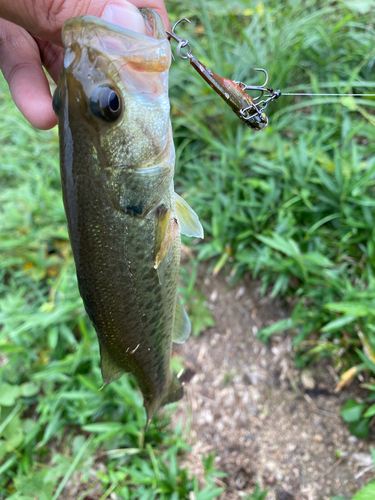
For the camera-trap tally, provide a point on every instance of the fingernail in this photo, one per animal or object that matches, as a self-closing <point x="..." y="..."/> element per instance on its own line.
<point x="125" y="15"/>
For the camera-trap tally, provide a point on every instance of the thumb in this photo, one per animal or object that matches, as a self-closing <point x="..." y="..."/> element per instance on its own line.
<point x="45" y="18"/>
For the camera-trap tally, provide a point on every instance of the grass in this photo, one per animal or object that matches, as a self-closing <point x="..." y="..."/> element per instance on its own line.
<point x="56" y="425"/>
<point x="293" y="205"/>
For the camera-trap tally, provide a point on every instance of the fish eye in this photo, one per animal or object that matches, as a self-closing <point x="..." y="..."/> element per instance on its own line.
<point x="106" y="103"/>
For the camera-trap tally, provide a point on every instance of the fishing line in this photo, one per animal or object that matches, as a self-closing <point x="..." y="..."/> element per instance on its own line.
<point x="357" y="95"/>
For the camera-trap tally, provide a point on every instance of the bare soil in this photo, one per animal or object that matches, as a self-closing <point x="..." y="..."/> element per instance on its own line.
<point x="266" y="421"/>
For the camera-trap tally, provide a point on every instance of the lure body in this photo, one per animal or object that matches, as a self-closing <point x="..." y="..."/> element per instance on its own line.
<point x="234" y="96"/>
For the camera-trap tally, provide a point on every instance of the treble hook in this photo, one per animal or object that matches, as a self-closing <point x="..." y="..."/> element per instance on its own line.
<point x="260" y="88"/>
<point x="271" y="96"/>
<point x="182" y="42"/>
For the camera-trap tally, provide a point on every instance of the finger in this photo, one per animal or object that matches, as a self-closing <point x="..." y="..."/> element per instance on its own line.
<point x="51" y="56"/>
<point x="22" y="68"/>
<point x="45" y="18"/>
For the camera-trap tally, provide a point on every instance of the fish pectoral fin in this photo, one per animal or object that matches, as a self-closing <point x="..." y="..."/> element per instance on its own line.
<point x="161" y="268"/>
<point x="187" y="219"/>
<point x="166" y="232"/>
<point x="165" y="240"/>
<point x="182" y="325"/>
<point x="110" y="370"/>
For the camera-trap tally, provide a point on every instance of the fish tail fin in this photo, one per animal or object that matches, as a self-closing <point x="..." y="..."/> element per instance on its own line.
<point x="174" y="392"/>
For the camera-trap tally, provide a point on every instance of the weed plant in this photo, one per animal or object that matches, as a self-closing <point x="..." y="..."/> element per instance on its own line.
<point x="293" y="205"/>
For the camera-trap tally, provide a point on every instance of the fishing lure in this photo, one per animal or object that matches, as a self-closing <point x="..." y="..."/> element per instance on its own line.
<point x="247" y="108"/>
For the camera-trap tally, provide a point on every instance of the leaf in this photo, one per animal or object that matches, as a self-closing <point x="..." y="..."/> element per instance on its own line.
<point x="33" y="484"/>
<point x="369" y="364"/>
<point x="52" y="427"/>
<point x="288" y="247"/>
<point x="352" y="411"/>
<point x="123" y="452"/>
<point x="356" y="309"/>
<point x="8" y="394"/>
<point x="370" y="387"/>
<point x="360" y="429"/>
<point x="29" y="389"/>
<point x="209" y="493"/>
<point x="337" y="323"/>
<point x="366" y="115"/>
<point x="70" y="471"/>
<point x="367" y="346"/>
<point x="320" y="223"/>
<point x="220" y="264"/>
<point x="366" y="493"/>
<point x="103" y="427"/>
<point x="348" y="376"/>
<point x="360" y="6"/>
<point x="9" y="418"/>
<point x="3" y="449"/>
<point x="318" y="259"/>
<point x="14" y="434"/>
<point x="370" y="411"/>
<point x="349" y="101"/>
<point x="279" y="326"/>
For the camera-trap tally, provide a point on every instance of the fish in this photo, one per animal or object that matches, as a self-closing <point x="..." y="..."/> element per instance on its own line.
<point x="124" y="218"/>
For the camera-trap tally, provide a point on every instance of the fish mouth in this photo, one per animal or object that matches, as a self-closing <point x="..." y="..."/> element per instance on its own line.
<point x="154" y="24"/>
<point x="121" y="43"/>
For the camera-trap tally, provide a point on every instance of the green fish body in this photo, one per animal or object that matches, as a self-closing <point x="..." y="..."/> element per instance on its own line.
<point x="117" y="162"/>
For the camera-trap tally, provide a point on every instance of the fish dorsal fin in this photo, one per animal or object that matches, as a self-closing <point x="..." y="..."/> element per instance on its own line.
<point x="182" y="325"/>
<point x="110" y="370"/>
<point x="187" y="219"/>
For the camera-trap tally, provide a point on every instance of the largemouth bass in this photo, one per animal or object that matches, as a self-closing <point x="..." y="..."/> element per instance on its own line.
<point x="117" y="161"/>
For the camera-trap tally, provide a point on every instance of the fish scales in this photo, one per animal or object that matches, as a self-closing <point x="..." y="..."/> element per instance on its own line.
<point x="124" y="219"/>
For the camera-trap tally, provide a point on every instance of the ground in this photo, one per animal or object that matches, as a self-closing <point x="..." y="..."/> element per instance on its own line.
<point x="266" y="421"/>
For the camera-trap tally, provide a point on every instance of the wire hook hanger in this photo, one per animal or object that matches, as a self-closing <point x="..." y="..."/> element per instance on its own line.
<point x="182" y="42"/>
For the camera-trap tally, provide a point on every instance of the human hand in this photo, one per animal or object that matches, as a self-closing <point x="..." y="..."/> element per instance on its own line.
<point x="30" y="38"/>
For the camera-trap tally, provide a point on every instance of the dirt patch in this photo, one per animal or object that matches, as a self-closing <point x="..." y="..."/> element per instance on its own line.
<point x="266" y="421"/>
